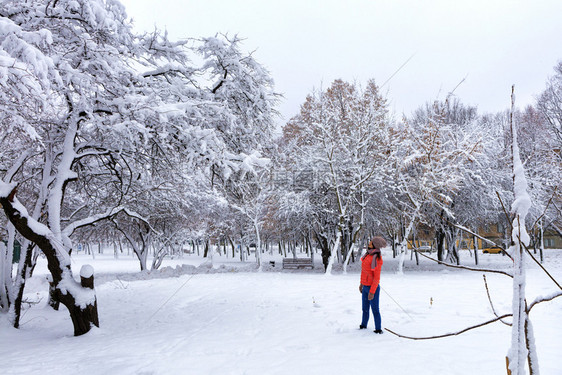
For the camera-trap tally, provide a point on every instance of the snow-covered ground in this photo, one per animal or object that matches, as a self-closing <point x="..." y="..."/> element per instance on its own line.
<point x="229" y="319"/>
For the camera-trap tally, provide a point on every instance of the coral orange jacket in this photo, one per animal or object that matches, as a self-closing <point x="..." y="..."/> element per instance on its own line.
<point x="370" y="276"/>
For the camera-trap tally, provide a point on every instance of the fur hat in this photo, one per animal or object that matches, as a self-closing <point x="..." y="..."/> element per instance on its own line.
<point x="377" y="243"/>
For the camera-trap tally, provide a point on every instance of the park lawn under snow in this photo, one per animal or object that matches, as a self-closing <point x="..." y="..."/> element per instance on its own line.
<point x="232" y="320"/>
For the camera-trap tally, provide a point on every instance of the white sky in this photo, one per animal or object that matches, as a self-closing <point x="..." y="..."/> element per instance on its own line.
<point x="309" y="43"/>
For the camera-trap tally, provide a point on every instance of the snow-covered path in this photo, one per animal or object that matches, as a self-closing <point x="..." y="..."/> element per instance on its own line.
<point x="283" y="323"/>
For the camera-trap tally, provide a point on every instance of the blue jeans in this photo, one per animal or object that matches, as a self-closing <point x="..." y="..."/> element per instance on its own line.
<point x="374" y="304"/>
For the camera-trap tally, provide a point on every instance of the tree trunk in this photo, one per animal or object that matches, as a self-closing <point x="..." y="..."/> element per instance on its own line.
<point x="241" y="248"/>
<point x="325" y="248"/>
<point x="347" y="258"/>
<point x="293" y="247"/>
<point x="394" y="245"/>
<point x="415" y="250"/>
<point x="311" y="247"/>
<point x="541" y="248"/>
<point x="206" y="251"/>
<point x="332" y="256"/>
<point x="475" y="246"/>
<point x="233" y="248"/>
<point x="58" y="263"/>
<point x="24" y="273"/>
<point x="532" y="357"/>
<point x="519" y="236"/>
<point x="440" y="243"/>
<point x="258" y="244"/>
<point x="452" y="253"/>
<point x="403" y="245"/>
<point x="5" y="278"/>
<point x="53" y="300"/>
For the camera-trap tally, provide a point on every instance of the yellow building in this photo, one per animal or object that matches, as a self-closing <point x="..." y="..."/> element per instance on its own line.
<point x="424" y="240"/>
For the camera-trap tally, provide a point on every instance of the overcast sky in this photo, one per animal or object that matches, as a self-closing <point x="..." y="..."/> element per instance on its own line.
<point x="491" y="44"/>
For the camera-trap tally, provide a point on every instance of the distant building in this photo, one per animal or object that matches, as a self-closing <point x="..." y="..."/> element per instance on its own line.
<point x="424" y="239"/>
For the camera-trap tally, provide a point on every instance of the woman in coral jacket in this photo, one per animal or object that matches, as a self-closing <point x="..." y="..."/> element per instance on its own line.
<point x="371" y="264"/>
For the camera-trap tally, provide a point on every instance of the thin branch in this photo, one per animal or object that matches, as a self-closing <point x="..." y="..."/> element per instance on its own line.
<point x="504" y="210"/>
<point x="526" y="248"/>
<point x="478" y="236"/>
<point x="540" y="265"/>
<point x="92" y="153"/>
<point x="490" y="300"/>
<point x="465" y="267"/>
<point x="397" y="70"/>
<point x="546" y="208"/>
<point x="450" y="334"/>
<point x="218" y="86"/>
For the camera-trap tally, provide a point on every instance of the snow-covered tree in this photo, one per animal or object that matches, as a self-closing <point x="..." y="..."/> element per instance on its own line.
<point x="245" y="91"/>
<point x="75" y="53"/>
<point x="341" y="137"/>
<point x="249" y="196"/>
<point x="546" y="125"/>
<point x="435" y="154"/>
<point x="96" y="112"/>
<point x="550" y="102"/>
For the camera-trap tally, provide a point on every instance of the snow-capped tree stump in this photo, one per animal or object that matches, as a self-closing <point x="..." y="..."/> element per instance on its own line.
<point x="91" y="310"/>
<point x="87" y="276"/>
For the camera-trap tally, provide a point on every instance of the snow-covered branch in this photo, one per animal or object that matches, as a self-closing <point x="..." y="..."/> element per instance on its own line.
<point x="541" y="299"/>
<point x="69" y="229"/>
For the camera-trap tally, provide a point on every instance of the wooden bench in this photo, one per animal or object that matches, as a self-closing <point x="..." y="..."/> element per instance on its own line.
<point x="296" y="263"/>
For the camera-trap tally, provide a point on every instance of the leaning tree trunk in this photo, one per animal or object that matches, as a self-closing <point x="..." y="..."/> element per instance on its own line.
<point x="83" y="312"/>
